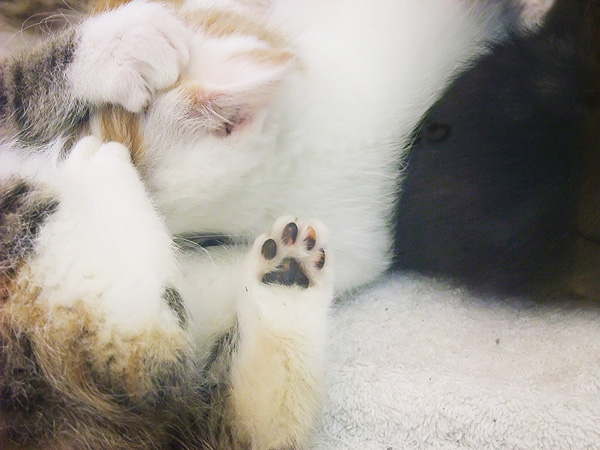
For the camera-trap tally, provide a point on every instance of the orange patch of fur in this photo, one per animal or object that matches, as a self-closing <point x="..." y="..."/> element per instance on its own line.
<point x="84" y="370"/>
<point x="221" y="23"/>
<point x="119" y="125"/>
<point x="269" y="56"/>
<point x="75" y="349"/>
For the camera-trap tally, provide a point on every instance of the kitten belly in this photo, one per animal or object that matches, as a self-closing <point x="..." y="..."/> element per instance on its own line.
<point x="348" y="196"/>
<point x="330" y="143"/>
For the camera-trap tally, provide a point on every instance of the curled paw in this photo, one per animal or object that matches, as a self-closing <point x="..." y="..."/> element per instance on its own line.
<point x="127" y="54"/>
<point x="92" y="159"/>
<point x="293" y="253"/>
<point x="90" y="148"/>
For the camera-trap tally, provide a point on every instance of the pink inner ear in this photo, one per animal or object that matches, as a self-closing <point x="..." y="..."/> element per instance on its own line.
<point x="200" y="96"/>
<point x="242" y="85"/>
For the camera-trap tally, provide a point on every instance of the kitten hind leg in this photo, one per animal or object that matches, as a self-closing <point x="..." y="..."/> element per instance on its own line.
<point x="277" y="369"/>
<point x="91" y="329"/>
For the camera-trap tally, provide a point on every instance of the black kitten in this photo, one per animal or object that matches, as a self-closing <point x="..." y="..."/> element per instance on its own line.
<point x="493" y="177"/>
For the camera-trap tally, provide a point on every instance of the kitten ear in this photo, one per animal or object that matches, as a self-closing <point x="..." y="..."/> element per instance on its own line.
<point x="231" y="93"/>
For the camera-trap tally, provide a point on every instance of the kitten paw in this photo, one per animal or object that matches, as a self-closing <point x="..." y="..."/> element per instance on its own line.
<point x="282" y="316"/>
<point x="117" y="240"/>
<point x="91" y="163"/>
<point x="128" y="54"/>
<point x="89" y="147"/>
<point x="293" y="253"/>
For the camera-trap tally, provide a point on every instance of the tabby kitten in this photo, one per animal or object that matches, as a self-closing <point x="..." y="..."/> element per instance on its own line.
<point x="235" y="114"/>
<point x="99" y="346"/>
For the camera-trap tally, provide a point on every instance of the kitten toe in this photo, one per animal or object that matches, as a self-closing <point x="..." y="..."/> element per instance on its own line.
<point x="115" y="150"/>
<point x="84" y="150"/>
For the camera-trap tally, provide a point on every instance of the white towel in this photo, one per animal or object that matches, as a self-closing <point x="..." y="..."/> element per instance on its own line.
<point x="416" y="364"/>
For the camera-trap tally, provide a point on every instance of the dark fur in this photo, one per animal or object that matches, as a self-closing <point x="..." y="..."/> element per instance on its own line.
<point x="37" y="415"/>
<point x="22" y="212"/>
<point x="39" y="16"/>
<point x="36" y="104"/>
<point x="492" y="178"/>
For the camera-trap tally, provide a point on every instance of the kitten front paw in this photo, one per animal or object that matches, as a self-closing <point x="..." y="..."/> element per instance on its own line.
<point x="128" y="54"/>
<point x="90" y="147"/>
<point x="112" y="241"/>
<point x="91" y="163"/>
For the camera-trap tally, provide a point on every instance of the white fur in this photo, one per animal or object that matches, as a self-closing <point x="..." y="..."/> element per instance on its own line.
<point x="15" y="162"/>
<point x="106" y="245"/>
<point x="329" y="140"/>
<point x="125" y="55"/>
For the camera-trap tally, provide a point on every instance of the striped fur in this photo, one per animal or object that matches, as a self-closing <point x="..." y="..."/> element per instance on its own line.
<point x="22" y="212"/>
<point x="36" y="104"/>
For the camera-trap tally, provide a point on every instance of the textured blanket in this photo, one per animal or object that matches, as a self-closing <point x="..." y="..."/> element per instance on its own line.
<point x="416" y="364"/>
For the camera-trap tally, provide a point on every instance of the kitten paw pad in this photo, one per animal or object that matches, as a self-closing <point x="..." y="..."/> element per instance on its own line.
<point x="293" y="253"/>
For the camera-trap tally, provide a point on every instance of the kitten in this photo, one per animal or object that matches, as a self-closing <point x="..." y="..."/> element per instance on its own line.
<point x="234" y="115"/>
<point x="100" y="347"/>
<point x="492" y="183"/>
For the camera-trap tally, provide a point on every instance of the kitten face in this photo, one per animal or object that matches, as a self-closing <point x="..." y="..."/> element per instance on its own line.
<point x="225" y="88"/>
<point x="217" y="124"/>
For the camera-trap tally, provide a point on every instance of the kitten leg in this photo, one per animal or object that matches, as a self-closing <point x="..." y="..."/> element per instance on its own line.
<point x="91" y="329"/>
<point x="277" y="367"/>
<point x="105" y="250"/>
